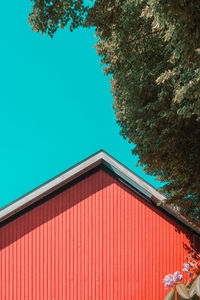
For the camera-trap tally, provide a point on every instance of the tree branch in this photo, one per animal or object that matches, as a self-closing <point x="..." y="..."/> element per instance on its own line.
<point x="147" y="34"/>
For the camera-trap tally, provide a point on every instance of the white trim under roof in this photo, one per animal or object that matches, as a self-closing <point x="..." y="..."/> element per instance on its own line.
<point x="81" y="168"/>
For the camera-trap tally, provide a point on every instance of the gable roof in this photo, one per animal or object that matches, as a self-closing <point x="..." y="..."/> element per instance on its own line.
<point x="101" y="158"/>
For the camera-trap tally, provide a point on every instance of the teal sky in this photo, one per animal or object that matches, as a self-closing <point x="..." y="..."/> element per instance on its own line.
<point x="56" y="108"/>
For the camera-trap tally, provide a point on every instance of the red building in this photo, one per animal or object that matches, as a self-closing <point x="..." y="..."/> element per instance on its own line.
<point x="93" y="232"/>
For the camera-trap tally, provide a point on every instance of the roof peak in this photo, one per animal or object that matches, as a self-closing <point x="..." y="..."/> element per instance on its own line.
<point x="100" y="157"/>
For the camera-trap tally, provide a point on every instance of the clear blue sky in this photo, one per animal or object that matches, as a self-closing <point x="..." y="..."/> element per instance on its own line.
<point x="56" y="108"/>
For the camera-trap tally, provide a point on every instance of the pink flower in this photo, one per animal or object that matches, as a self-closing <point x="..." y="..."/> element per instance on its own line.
<point x="177" y="277"/>
<point x="187" y="268"/>
<point x="170" y="279"/>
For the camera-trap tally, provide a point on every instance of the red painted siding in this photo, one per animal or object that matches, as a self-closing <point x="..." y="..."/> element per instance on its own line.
<point x="95" y="240"/>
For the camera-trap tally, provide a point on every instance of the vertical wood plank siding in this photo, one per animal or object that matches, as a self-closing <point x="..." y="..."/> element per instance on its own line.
<point x="95" y="240"/>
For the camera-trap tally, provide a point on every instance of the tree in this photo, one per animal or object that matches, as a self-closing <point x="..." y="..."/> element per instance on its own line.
<point x="151" y="49"/>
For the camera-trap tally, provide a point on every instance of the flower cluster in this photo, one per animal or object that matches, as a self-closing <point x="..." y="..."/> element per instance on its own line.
<point x="188" y="268"/>
<point x="170" y="279"/>
<point x="192" y="265"/>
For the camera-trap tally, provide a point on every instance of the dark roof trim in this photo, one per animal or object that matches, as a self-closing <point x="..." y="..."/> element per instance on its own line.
<point x="99" y="158"/>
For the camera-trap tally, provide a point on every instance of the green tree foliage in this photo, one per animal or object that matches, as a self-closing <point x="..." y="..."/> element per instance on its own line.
<point x="151" y="49"/>
<point x="48" y="15"/>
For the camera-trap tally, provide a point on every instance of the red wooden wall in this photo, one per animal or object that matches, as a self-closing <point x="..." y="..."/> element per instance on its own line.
<point x="95" y="240"/>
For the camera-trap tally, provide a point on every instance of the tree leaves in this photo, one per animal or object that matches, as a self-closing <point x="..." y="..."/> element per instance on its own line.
<point x="47" y="16"/>
<point x="151" y="50"/>
<point x="155" y="94"/>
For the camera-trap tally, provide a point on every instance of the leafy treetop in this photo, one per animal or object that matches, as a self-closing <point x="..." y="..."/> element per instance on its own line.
<point x="151" y="49"/>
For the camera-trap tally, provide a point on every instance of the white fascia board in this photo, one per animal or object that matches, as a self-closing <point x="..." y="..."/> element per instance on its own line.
<point x="50" y="186"/>
<point x="132" y="178"/>
<point x="73" y="173"/>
